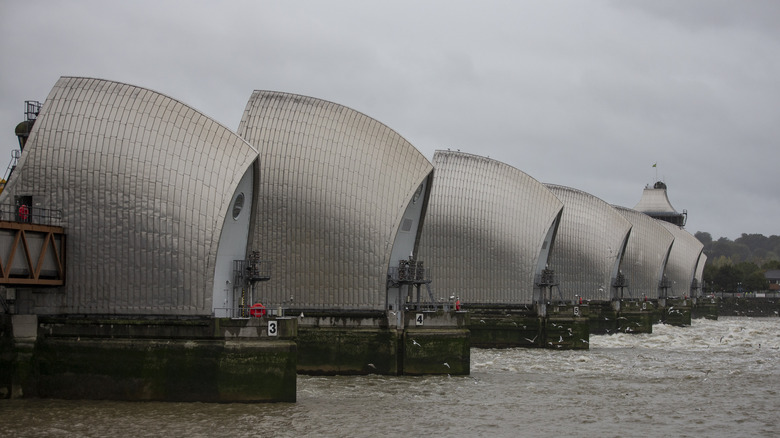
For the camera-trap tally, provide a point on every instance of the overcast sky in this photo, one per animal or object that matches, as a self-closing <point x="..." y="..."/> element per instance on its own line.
<point x="586" y="94"/>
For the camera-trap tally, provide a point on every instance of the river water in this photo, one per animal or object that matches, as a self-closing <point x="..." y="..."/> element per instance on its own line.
<point x="712" y="379"/>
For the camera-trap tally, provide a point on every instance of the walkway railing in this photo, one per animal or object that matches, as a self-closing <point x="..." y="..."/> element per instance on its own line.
<point x="30" y="215"/>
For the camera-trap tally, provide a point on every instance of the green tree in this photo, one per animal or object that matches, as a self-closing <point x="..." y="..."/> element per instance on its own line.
<point x="726" y="279"/>
<point x="770" y="265"/>
<point x="755" y="281"/>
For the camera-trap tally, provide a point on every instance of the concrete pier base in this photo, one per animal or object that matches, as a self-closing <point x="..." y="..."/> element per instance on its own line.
<point x="603" y="317"/>
<point x="705" y="307"/>
<point x="636" y="317"/>
<point x="207" y="360"/>
<point x="677" y="311"/>
<point x="564" y="327"/>
<point x="567" y="327"/>
<point x="347" y="350"/>
<point x="505" y="328"/>
<point x="622" y="316"/>
<point x="412" y="343"/>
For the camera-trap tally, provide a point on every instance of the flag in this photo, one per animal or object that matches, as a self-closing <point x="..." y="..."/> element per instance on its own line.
<point x="655" y="164"/>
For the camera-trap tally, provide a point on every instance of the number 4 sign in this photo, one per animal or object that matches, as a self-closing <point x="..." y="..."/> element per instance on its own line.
<point x="418" y="319"/>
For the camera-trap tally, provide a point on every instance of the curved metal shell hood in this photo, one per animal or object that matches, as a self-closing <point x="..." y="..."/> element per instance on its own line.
<point x="143" y="182"/>
<point x="683" y="260"/>
<point x="647" y="253"/>
<point x="589" y="246"/>
<point x="486" y="229"/>
<point x="332" y="187"/>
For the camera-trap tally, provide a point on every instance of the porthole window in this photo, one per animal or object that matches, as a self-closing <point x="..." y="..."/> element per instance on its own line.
<point x="417" y="194"/>
<point x="238" y="205"/>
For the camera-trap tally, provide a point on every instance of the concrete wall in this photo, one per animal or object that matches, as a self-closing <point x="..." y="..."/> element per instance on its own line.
<point x="207" y="360"/>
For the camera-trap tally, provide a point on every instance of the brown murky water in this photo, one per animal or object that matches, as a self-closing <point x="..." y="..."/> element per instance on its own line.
<point x="713" y="379"/>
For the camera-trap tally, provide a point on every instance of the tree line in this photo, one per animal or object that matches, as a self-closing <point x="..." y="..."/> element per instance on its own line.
<point x="739" y="265"/>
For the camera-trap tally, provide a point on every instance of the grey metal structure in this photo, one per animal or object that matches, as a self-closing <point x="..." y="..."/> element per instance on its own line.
<point x="683" y="261"/>
<point x="339" y="201"/>
<point x="144" y="183"/>
<point x="655" y="203"/>
<point x="697" y="288"/>
<point x="488" y="231"/>
<point x="589" y="247"/>
<point x="647" y="254"/>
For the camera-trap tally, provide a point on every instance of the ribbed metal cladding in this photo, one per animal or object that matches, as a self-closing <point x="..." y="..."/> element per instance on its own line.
<point x="331" y="191"/>
<point x="683" y="260"/>
<point x="588" y="247"/>
<point x="485" y="228"/>
<point x="699" y="275"/>
<point x="646" y="254"/>
<point x="143" y="182"/>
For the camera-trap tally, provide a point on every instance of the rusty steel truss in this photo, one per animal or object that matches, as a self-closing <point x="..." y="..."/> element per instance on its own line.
<point x="31" y="254"/>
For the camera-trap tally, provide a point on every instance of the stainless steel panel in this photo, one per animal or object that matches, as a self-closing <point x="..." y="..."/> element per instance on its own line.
<point x="142" y="210"/>
<point x="589" y="245"/>
<point x="332" y="186"/>
<point x="484" y="229"/>
<point x="683" y="259"/>
<point x="646" y="254"/>
<point x="699" y="275"/>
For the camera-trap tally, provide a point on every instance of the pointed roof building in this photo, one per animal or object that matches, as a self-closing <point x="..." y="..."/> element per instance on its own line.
<point x="655" y="203"/>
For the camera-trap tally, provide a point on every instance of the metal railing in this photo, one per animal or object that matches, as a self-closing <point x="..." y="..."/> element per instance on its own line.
<point x="406" y="275"/>
<point x="30" y="214"/>
<point x="245" y="312"/>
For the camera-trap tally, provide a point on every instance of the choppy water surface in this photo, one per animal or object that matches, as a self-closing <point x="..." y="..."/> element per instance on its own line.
<point x="714" y="379"/>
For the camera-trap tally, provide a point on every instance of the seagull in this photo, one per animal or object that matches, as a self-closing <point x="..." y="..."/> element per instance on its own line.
<point x="606" y="319"/>
<point x="446" y="364"/>
<point x="560" y="339"/>
<point x="481" y="321"/>
<point x="532" y="340"/>
<point x="583" y="340"/>
<point x="622" y="317"/>
<point x="372" y="366"/>
<point x="301" y="315"/>
<point x="416" y="343"/>
<point x="514" y="323"/>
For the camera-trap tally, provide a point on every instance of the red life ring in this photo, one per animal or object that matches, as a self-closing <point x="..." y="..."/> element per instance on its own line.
<point x="24" y="213"/>
<point x="257" y="310"/>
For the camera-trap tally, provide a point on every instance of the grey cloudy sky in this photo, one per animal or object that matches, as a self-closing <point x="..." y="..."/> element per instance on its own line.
<point x="587" y="94"/>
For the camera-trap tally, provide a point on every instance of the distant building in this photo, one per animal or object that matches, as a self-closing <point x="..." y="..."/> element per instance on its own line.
<point x="655" y="203"/>
<point x="773" y="277"/>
